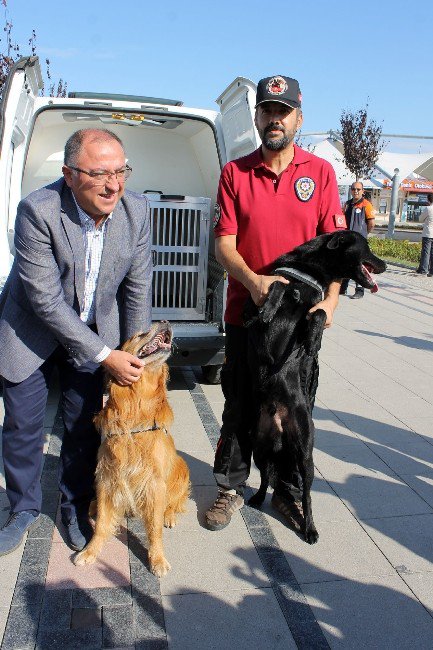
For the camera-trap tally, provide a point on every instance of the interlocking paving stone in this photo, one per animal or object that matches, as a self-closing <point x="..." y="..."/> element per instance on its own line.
<point x="43" y="528"/>
<point x="110" y="569"/>
<point x="142" y="581"/>
<point x="49" y="480"/>
<point x="137" y="551"/>
<point x="69" y="640"/>
<point x="103" y="597"/>
<point x="36" y="552"/>
<point x="375" y="612"/>
<point x="50" y="501"/>
<point x="149" y="621"/>
<point x="118" y="626"/>
<point x="21" y="627"/>
<point x="152" y="644"/>
<point x="29" y="593"/>
<point x="135" y="526"/>
<point x="30" y="574"/>
<point x="56" y="610"/>
<point x="248" y="619"/>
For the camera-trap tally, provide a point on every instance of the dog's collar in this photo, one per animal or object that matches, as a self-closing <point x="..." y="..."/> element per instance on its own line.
<point x="303" y="277"/>
<point x="155" y="427"/>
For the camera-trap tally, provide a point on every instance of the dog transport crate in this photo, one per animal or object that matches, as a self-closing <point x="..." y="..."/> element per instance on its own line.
<point x="180" y="242"/>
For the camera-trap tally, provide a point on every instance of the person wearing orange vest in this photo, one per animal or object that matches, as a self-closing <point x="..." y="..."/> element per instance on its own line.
<point x="359" y="215"/>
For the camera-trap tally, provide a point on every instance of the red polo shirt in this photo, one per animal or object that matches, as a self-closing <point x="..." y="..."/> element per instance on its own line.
<point x="271" y="215"/>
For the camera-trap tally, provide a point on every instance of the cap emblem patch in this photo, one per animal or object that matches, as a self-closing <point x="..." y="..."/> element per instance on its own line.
<point x="276" y="86"/>
<point x="304" y="188"/>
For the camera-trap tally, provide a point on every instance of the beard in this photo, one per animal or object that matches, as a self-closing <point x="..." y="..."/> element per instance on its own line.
<point x="287" y="137"/>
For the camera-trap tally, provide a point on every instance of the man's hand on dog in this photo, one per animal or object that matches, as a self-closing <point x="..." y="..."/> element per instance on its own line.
<point x="259" y="287"/>
<point x="329" y="304"/>
<point x="124" y="367"/>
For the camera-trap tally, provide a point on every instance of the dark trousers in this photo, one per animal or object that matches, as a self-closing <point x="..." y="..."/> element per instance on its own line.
<point x="23" y="434"/>
<point x="233" y="454"/>
<point x="426" y="261"/>
<point x="345" y="284"/>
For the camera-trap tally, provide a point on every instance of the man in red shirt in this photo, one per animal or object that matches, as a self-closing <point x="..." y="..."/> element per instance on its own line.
<point x="270" y="201"/>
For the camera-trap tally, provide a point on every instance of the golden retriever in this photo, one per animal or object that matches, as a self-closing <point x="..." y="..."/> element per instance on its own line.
<point x="139" y="471"/>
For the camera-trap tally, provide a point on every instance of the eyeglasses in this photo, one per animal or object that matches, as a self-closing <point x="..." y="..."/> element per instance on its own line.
<point x="102" y="177"/>
<point x="356" y="189"/>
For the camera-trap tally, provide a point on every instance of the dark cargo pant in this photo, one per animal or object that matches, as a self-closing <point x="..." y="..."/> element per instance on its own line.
<point x="233" y="454"/>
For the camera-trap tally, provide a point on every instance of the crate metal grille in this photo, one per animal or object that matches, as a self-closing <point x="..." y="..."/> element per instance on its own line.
<point x="180" y="239"/>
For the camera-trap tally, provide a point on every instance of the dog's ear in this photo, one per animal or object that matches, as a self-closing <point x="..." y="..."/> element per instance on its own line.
<point x="341" y="238"/>
<point x="314" y="332"/>
<point x="272" y="302"/>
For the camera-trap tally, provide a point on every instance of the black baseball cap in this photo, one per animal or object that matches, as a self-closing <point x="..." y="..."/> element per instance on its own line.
<point x="279" y="89"/>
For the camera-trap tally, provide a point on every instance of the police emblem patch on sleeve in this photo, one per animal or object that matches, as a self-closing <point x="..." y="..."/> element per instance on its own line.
<point x="217" y="215"/>
<point x="304" y="188"/>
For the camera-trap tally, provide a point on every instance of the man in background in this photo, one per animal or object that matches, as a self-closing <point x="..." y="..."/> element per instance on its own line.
<point x="359" y="215"/>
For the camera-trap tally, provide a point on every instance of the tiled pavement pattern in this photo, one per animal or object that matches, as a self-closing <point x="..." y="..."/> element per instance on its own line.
<point x="367" y="583"/>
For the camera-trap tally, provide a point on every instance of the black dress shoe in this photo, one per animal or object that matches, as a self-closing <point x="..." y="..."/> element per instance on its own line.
<point x="79" y="532"/>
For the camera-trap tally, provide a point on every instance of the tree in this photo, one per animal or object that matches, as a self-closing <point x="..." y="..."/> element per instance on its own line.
<point x="12" y="52"/>
<point x="361" y="140"/>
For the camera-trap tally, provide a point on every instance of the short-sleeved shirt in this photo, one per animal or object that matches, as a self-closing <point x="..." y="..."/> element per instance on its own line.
<point x="271" y="214"/>
<point x="357" y="214"/>
<point x="426" y="216"/>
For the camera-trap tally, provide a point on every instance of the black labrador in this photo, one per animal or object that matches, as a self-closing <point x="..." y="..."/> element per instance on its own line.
<point x="283" y="343"/>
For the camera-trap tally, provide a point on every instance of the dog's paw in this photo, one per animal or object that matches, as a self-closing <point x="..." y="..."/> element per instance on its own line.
<point x="256" y="500"/>
<point x="84" y="557"/>
<point x="159" y="566"/>
<point x="311" y="536"/>
<point x="170" y="520"/>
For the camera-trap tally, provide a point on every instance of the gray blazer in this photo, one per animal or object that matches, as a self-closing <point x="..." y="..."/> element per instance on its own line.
<point x="40" y="302"/>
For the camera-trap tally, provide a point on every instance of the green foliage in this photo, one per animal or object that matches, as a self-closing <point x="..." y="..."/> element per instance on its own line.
<point x="403" y="250"/>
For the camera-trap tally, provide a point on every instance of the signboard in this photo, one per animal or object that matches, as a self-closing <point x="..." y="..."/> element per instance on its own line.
<point x="412" y="185"/>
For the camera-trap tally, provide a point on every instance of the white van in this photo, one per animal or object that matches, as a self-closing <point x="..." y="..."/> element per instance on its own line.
<point x="176" y="154"/>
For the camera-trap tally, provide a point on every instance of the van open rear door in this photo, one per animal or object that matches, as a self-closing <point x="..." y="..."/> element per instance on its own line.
<point x="237" y="118"/>
<point x="16" y="118"/>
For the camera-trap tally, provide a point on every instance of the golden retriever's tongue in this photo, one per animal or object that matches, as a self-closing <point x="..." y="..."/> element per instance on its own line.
<point x="374" y="288"/>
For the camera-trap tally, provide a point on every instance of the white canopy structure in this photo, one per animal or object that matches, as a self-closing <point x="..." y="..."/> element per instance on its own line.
<point x="407" y="164"/>
<point x="327" y="146"/>
<point x="327" y="150"/>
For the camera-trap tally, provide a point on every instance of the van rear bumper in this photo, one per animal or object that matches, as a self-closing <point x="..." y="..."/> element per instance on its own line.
<point x="198" y="351"/>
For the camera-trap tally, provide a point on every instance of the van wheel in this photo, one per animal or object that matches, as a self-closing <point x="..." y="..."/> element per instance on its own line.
<point x="211" y="374"/>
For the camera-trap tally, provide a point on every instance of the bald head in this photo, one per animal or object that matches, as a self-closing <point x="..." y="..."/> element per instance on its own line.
<point x="78" y="139"/>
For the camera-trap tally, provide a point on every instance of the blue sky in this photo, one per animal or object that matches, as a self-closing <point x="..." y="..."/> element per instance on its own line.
<point x="343" y="54"/>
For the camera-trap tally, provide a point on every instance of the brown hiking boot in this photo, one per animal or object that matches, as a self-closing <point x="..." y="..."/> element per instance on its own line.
<point x="291" y="508"/>
<point x="220" y="514"/>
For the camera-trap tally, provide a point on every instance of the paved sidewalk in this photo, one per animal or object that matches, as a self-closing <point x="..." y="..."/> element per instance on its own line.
<point x="367" y="583"/>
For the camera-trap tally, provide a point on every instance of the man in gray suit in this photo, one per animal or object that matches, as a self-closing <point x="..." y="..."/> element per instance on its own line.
<point x="80" y="285"/>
